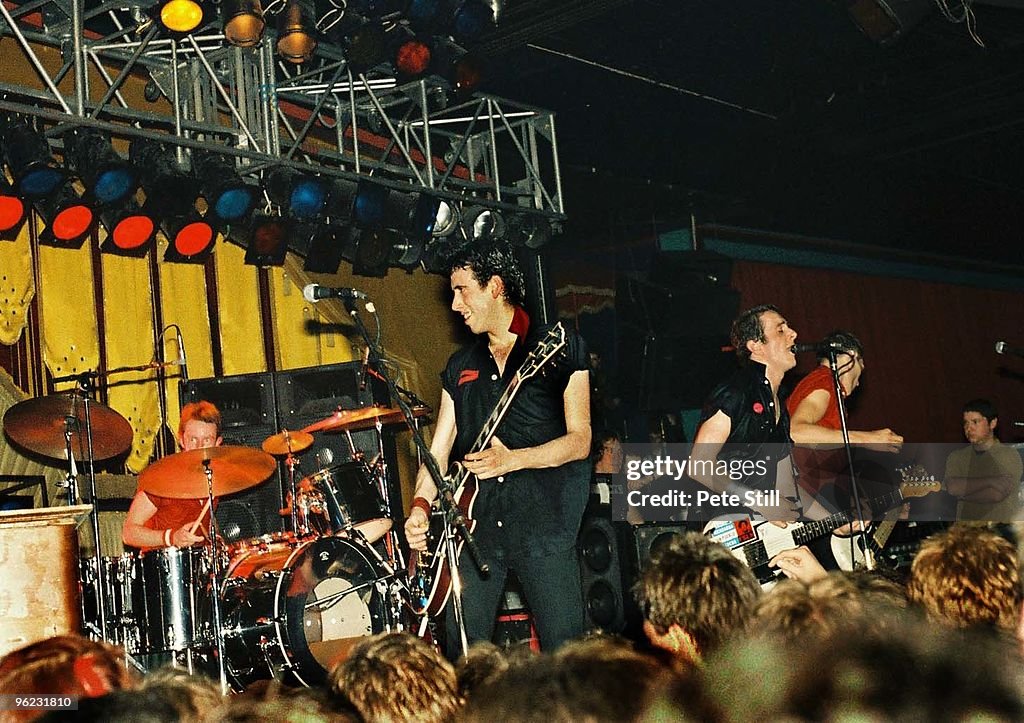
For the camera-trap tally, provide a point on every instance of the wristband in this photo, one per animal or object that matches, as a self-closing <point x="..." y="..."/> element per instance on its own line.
<point x="167" y="538"/>
<point x="421" y="504"/>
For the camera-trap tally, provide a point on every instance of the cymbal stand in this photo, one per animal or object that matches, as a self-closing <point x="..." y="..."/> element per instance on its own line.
<point x="291" y="461"/>
<point x="379" y="472"/>
<point x="218" y="630"/>
<point x="71" y="422"/>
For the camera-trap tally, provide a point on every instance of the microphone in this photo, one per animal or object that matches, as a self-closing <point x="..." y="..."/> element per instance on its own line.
<point x="1003" y="348"/>
<point x="816" y="347"/>
<point x="316" y="292"/>
<point x="181" y="358"/>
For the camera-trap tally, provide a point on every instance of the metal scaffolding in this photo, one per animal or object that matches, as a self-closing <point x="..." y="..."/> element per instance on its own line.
<point x="319" y="117"/>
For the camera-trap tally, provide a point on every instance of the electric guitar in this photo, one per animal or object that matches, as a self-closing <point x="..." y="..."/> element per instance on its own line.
<point x="755" y="542"/>
<point x="429" y="572"/>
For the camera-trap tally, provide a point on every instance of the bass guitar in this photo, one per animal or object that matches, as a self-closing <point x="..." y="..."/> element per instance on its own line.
<point x="429" y="574"/>
<point x="755" y="542"/>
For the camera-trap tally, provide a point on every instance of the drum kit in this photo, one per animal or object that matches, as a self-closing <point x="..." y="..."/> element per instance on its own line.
<point x="283" y="605"/>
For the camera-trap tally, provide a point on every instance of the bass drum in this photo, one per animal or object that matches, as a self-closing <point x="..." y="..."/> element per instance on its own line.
<point x="299" y="610"/>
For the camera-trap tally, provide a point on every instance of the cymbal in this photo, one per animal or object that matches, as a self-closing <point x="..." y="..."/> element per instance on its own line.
<point x="350" y="420"/>
<point x="183" y="475"/>
<point x="285" y="442"/>
<point x="39" y="425"/>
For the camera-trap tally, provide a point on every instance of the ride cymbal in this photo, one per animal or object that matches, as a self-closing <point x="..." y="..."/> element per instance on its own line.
<point x="351" y="420"/>
<point x="39" y="425"/>
<point x="183" y="475"/>
<point x="286" y="442"/>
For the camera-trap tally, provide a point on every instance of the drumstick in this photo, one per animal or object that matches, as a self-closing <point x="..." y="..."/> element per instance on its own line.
<point x="192" y="529"/>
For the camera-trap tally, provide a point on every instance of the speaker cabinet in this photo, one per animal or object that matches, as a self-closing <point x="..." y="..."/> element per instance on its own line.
<point x="606" y="574"/>
<point x="650" y="537"/>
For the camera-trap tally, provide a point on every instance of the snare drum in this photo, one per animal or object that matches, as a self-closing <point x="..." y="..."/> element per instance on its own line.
<point x="299" y="609"/>
<point x="167" y="585"/>
<point x="351" y="500"/>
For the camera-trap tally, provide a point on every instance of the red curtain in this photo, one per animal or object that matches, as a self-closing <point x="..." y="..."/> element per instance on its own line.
<point x="929" y="347"/>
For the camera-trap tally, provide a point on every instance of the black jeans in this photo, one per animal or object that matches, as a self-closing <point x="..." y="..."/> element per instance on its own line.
<point x="552" y="587"/>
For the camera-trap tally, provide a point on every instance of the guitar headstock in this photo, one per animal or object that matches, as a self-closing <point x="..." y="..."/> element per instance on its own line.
<point x="546" y="348"/>
<point x="917" y="481"/>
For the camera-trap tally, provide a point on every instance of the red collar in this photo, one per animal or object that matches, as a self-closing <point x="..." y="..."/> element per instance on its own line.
<point x="520" y="323"/>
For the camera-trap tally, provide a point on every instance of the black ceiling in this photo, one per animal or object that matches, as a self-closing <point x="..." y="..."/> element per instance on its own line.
<point x="777" y="115"/>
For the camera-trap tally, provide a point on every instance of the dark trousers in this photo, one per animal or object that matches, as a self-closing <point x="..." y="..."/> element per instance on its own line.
<point x="552" y="587"/>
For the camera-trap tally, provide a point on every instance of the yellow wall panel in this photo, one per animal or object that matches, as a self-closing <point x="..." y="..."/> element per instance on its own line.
<point x="183" y="302"/>
<point x="67" y="311"/>
<point x="302" y="337"/>
<point x="128" y="321"/>
<point x="241" y="334"/>
<point x="17" y="286"/>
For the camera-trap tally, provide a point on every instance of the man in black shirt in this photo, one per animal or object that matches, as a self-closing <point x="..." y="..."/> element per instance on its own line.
<point x="743" y="419"/>
<point x="533" y="478"/>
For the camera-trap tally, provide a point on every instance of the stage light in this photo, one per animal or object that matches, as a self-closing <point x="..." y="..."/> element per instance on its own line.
<point x="369" y="209"/>
<point x="230" y="199"/>
<point x="414" y="215"/>
<point x="108" y="177"/>
<point x="327" y="247"/>
<point x="304" y="197"/>
<point x="367" y="47"/>
<point x="471" y="19"/>
<point x="129" y="230"/>
<point x="36" y="175"/>
<point x="412" y="57"/>
<point x="424" y="14"/>
<point x="180" y="17"/>
<point x="529" y="231"/>
<point x="243" y="22"/>
<point x="191" y="239"/>
<point x="373" y="252"/>
<point x="466" y="74"/>
<point x="481" y="223"/>
<point x="266" y="240"/>
<point x="170" y="198"/>
<point x="67" y="217"/>
<point x="12" y="208"/>
<point x="296" y="31"/>
<point x="447" y="220"/>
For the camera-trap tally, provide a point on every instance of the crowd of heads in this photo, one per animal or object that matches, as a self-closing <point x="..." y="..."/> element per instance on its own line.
<point x="718" y="647"/>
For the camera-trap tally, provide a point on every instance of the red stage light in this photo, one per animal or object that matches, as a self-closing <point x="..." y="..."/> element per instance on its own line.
<point x="193" y="238"/>
<point x="133" y="232"/>
<point x="12" y="211"/>
<point x="72" y="222"/>
<point x="413" y="57"/>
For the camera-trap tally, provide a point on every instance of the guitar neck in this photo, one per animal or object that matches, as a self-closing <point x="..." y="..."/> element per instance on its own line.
<point x="818" y="528"/>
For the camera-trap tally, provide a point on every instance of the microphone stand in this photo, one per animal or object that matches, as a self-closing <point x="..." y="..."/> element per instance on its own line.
<point x="455" y="520"/>
<point x="857" y="511"/>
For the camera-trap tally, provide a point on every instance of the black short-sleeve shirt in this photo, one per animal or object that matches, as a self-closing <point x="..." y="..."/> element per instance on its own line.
<point x="747" y="399"/>
<point x="529" y="512"/>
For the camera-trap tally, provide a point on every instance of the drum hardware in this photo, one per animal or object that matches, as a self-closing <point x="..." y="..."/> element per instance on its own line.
<point x="289" y="444"/>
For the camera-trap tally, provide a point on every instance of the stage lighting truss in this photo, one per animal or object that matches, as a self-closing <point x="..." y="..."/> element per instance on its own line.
<point x="257" y="113"/>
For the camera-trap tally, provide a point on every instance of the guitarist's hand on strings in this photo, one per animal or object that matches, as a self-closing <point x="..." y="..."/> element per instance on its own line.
<point x="799" y="564"/>
<point x="492" y="462"/>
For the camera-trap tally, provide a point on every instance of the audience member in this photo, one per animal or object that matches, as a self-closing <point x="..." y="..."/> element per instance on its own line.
<point x="967" y="576"/>
<point x="694" y="594"/>
<point x="398" y="677"/>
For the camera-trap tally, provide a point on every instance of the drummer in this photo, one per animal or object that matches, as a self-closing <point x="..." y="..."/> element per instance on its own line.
<point x="155" y="521"/>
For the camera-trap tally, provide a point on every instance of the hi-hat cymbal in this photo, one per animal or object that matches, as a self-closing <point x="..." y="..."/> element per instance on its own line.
<point x="350" y="420"/>
<point x="285" y="442"/>
<point x="39" y="425"/>
<point x="183" y="475"/>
